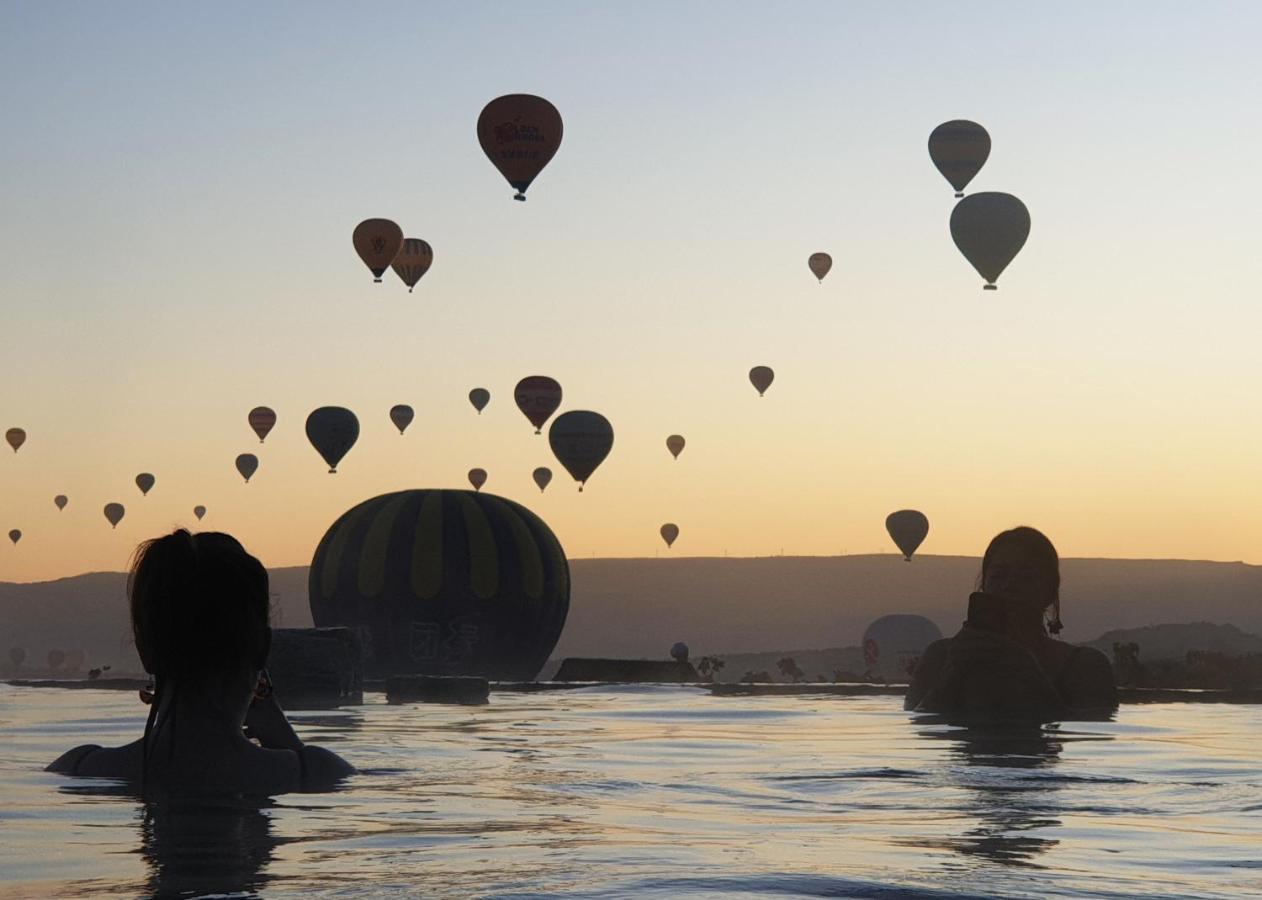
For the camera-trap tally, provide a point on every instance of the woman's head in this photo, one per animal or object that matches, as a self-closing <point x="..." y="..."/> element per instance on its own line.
<point x="1021" y="564"/>
<point x="199" y="605"/>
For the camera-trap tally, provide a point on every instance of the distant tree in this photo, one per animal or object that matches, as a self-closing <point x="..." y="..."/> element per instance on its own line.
<point x="1126" y="666"/>
<point x="709" y="666"/>
<point x="752" y="677"/>
<point x="789" y="669"/>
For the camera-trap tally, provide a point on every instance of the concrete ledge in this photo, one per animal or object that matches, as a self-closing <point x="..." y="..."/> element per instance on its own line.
<point x="462" y="689"/>
<point x="627" y="671"/>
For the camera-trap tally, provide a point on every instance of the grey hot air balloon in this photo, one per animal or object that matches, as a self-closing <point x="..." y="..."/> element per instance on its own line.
<point x="669" y="532"/>
<point x="332" y="430"/>
<point x="401" y="415"/>
<point x="908" y="528"/>
<point x="145" y="482"/>
<point x="819" y="264"/>
<point x="377" y="241"/>
<point x="414" y="259"/>
<point x="247" y="465"/>
<point x="761" y="377"/>
<point x="479" y="397"/>
<point x="892" y="644"/>
<point x="262" y="419"/>
<point x="519" y="133"/>
<point x="990" y="229"/>
<point x="477" y="478"/>
<point x="15" y="437"/>
<point x="114" y="513"/>
<point x="675" y="444"/>
<point x="199" y="511"/>
<point x="959" y="149"/>
<point x="542" y="477"/>
<point x="60" y="501"/>
<point x="581" y="440"/>
<point x="538" y="397"/>
<point x="15" y="535"/>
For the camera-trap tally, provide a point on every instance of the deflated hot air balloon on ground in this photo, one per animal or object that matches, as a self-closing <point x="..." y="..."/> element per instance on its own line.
<point x="247" y="465"/>
<point x="199" y="511"/>
<point x="401" y="416"/>
<point x="60" y="501"/>
<point x="114" y="513"/>
<point x="414" y="259"/>
<point x="669" y="532"/>
<point x="542" y="477"/>
<point x="332" y="430"/>
<point x="262" y="420"/>
<point x="990" y="228"/>
<point x="477" y="478"/>
<point x="377" y="241"/>
<point x="479" y="397"/>
<point x="538" y="397"/>
<point x="819" y="264"/>
<point x="15" y="437"/>
<point x="959" y="149"/>
<point x="675" y="444"/>
<point x="581" y="440"/>
<point x="145" y="482"/>
<point x="447" y="583"/>
<point x="519" y="133"/>
<point x="908" y="528"/>
<point x="761" y="377"/>
<point x="15" y="535"/>
<point x="892" y="644"/>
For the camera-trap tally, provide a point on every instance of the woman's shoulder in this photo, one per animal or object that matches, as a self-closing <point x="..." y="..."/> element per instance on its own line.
<point x="320" y="767"/>
<point x="101" y="762"/>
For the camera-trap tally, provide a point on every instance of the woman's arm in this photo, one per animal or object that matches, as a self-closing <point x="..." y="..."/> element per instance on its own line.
<point x="926" y="681"/>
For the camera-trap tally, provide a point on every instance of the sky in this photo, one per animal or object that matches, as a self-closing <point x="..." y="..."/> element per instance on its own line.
<point x="179" y="183"/>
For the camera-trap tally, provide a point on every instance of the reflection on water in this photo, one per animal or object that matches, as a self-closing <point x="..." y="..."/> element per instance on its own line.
<point x="205" y="845"/>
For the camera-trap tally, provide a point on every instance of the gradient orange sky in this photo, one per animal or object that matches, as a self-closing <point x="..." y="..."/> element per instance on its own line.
<point x="180" y="185"/>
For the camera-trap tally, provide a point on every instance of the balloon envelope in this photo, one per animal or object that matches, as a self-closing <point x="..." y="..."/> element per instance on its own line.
<point x="401" y="416"/>
<point x="893" y="643"/>
<point x="990" y="228"/>
<point x="114" y="513"/>
<point x="675" y="444"/>
<point x="56" y="658"/>
<point x="908" y="528"/>
<point x="199" y="511"/>
<point x="538" y="397"/>
<point x="542" y="477"/>
<point x="15" y="535"/>
<point x="377" y="241"/>
<point x="761" y="377"/>
<point x="959" y="149"/>
<point x="16" y="437"/>
<point x="477" y="478"/>
<point x="332" y="430"/>
<point x="61" y="500"/>
<point x="479" y="397"/>
<point x="414" y="259"/>
<point x="145" y="482"/>
<point x="669" y="532"/>
<point x="581" y="440"/>
<point x="519" y="133"/>
<point x="247" y="465"/>
<point x="262" y="420"/>
<point x="819" y="264"/>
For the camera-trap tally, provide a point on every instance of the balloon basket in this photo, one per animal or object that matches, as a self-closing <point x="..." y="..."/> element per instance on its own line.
<point x="521" y="197"/>
<point x="332" y="471"/>
<point x="990" y="287"/>
<point x="959" y="194"/>
<point x="376" y="281"/>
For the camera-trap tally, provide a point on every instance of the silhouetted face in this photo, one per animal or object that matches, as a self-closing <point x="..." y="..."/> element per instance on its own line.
<point x="1018" y="575"/>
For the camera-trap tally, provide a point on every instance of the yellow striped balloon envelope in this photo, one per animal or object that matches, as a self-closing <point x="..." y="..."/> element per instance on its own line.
<point x="447" y="582"/>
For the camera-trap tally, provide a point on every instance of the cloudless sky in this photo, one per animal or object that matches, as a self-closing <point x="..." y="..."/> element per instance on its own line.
<point x="179" y="182"/>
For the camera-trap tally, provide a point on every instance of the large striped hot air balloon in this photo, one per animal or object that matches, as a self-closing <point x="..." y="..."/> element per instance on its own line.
<point x="447" y="582"/>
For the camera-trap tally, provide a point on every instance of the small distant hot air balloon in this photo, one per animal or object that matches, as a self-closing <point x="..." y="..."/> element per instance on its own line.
<point x="538" y="397"/>
<point x="145" y="482"/>
<point x="479" y="397"/>
<point x="519" y="133"/>
<point x="332" y="430"/>
<point x="819" y="264"/>
<point x="990" y="228"/>
<point x="477" y="478"/>
<point x="377" y="241"/>
<point x="247" y="465"/>
<point x="60" y="501"/>
<point x="16" y="438"/>
<point x="199" y="511"/>
<point x="114" y="513"/>
<point x="675" y="444"/>
<point x="581" y="440"/>
<point x="908" y="528"/>
<point x="542" y="476"/>
<point x="761" y="377"/>
<point x="414" y="259"/>
<point x="669" y="532"/>
<point x="74" y="658"/>
<point x="959" y="149"/>
<point x="56" y="658"/>
<point x="679" y="651"/>
<point x="15" y="535"/>
<point x="401" y="416"/>
<point x="262" y="420"/>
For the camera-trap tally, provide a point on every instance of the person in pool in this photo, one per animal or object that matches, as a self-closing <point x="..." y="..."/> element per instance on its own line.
<point x="1003" y="662"/>
<point x="199" y="614"/>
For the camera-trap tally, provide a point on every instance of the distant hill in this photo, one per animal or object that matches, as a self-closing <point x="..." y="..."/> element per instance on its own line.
<point x="639" y="607"/>
<point x="1174" y="641"/>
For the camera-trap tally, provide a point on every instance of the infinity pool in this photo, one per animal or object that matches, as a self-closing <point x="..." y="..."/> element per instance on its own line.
<point x="660" y="791"/>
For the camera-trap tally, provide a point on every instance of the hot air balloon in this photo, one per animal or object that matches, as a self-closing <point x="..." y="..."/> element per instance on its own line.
<point x="893" y="643"/>
<point x="16" y="438"/>
<point x="679" y="651"/>
<point x="908" y="528"/>
<point x="477" y="478"/>
<point x="114" y="513"/>
<point x="56" y="658"/>
<point x="990" y="229"/>
<point x="74" y="658"/>
<point x="332" y="430"/>
<point x="377" y="241"/>
<point x="247" y="465"/>
<point x="414" y="259"/>
<point x="581" y="440"/>
<point x="479" y="397"/>
<point x="60" y="501"/>
<point x="519" y="133"/>
<point x="959" y="149"/>
<point x="401" y="416"/>
<point x="538" y="397"/>
<point x="145" y="482"/>
<point x="542" y="476"/>
<point x="199" y="511"/>
<point x="15" y="535"/>
<point x="447" y="583"/>
<point x="675" y="444"/>
<point x="669" y="532"/>
<point x="262" y="420"/>
<point x="819" y="264"/>
<point x="761" y="377"/>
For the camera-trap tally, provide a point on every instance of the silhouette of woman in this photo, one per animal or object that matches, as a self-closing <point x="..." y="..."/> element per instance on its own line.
<point x="1003" y="663"/>
<point x="199" y="614"/>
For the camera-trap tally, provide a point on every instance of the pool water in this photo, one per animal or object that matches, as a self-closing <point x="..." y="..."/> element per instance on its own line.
<point x="659" y="792"/>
